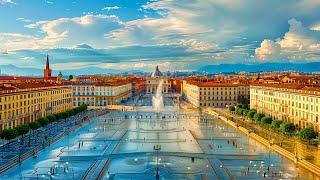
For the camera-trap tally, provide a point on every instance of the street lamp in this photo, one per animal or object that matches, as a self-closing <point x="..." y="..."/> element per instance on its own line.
<point x="157" y="148"/>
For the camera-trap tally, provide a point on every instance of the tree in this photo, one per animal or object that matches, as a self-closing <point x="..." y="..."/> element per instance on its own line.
<point x="275" y="125"/>
<point x="307" y="134"/>
<point x="239" y="111"/>
<point x="52" y="118"/>
<point x="232" y="108"/>
<point x="22" y="129"/>
<point x="34" y="125"/>
<point x="258" y="116"/>
<point x="287" y="128"/>
<point x="266" y="120"/>
<point x="9" y="134"/>
<point x="251" y="114"/>
<point x="43" y="121"/>
<point x="70" y="77"/>
<point x="245" y="112"/>
<point x="239" y="106"/>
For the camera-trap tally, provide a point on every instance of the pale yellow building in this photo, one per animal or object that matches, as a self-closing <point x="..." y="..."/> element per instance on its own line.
<point x="100" y="93"/>
<point x="289" y="102"/>
<point x="214" y="94"/>
<point x="23" y="103"/>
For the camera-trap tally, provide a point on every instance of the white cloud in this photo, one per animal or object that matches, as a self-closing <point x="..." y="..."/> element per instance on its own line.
<point x="315" y="27"/>
<point x="268" y="50"/>
<point x="109" y="8"/>
<point x="197" y="45"/>
<point x="27" y="58"/>
<point x="14" y="41"/>
<point x="299" y="43"/>
<point x="65" y="32"/>
<point x="7" y="2"/>
<point x="23" y="20"/>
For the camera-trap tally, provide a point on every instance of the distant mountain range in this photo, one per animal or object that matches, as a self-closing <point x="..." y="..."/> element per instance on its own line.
<point x="14" y="70"/>
<point x="222" y="68"/>
<point x="227" y="68"/>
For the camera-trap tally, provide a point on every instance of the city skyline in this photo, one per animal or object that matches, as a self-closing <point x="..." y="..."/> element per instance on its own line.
<point x="176" y="35"/>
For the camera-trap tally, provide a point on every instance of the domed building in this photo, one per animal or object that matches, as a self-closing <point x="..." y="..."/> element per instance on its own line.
<point x="154" y="79"/>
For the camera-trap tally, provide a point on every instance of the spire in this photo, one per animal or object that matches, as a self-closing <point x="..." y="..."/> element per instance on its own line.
<point x="47" y="71"/>
<point x="47" y="63"/>
<point x="157" y="68"/>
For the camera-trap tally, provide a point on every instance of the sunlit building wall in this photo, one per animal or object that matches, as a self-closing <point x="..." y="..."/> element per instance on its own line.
<point x="291" y="103"/>
<point x="22" y="106"/>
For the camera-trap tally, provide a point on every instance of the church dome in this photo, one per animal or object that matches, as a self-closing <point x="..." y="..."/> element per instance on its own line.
<point x="156" y="73"/>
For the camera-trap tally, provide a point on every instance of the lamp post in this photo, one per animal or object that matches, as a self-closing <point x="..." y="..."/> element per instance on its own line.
<point x="157" y="148"/>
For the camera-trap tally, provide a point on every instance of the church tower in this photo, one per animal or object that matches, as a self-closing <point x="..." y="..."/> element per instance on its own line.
<point x="47" y="71"/>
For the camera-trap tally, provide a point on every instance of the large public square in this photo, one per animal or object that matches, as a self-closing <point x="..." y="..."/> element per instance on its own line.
<point x="176" y="142"/>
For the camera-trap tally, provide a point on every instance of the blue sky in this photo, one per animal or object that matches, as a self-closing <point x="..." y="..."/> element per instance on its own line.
<point x="175" y="34"/>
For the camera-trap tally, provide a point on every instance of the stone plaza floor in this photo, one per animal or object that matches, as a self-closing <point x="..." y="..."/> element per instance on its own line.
<point x="120" y="145"/>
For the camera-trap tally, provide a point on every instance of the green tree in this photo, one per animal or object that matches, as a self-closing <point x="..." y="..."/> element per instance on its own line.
<point x="43" y="121"/>
<point x="239" y="106"/>
<point x="307" y="134"/>
<point x="9" y="134"/>
<point x="258" y="116"/>
<point x="287" y="128"/>
<point x="232" y="108"/>
<point x="22" y="129"/>
<point x="52" y="118"/>
<point x="251" y="114"/>
<point x="275" y="125"/>
<point x="240" y="111"/>
<point x="245" y="112"/>
<point x="266" y="120"/>
<point x="34" y="125"/>
<point x="70" y="77"/>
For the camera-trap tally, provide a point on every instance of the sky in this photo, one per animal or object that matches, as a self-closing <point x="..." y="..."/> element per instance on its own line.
<point x="174" y="34"/>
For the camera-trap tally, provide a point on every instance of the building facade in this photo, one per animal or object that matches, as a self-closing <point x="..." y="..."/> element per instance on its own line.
<point x="100" y="93"/>
<point x="288" y="102"/>
<point x="214" y="94"/>
<point x="21" y="105"/>
<point x="153" y="81"/>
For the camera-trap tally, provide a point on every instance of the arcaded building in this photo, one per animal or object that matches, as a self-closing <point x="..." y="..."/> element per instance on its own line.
<point x="290" y="102"/>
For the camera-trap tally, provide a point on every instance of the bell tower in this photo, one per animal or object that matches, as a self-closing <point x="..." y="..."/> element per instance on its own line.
<point x="47" y="71"/>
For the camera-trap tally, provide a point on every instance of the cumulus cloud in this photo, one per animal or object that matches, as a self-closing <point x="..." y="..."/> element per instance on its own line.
<point x="315" y="27"/>
<point x="268" y="50"/>
<point x="15" y="41"/>
<point x="65" y="32"/>
<point x="299" y="43"/>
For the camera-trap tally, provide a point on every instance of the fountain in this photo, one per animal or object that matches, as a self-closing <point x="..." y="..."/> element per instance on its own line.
<point x="157" y="100"/>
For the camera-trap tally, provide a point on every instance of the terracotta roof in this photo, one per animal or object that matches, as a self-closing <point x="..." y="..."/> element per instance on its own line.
<point x="213" y="84"/>
<point x="7" y="88"/>
<point x="289" y="86"/>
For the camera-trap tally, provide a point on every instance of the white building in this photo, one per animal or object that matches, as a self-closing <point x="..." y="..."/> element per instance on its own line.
<point x="154" y="80"/>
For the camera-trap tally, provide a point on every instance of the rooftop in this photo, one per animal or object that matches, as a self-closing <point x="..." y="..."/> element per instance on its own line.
<point x="156" y="73"/>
